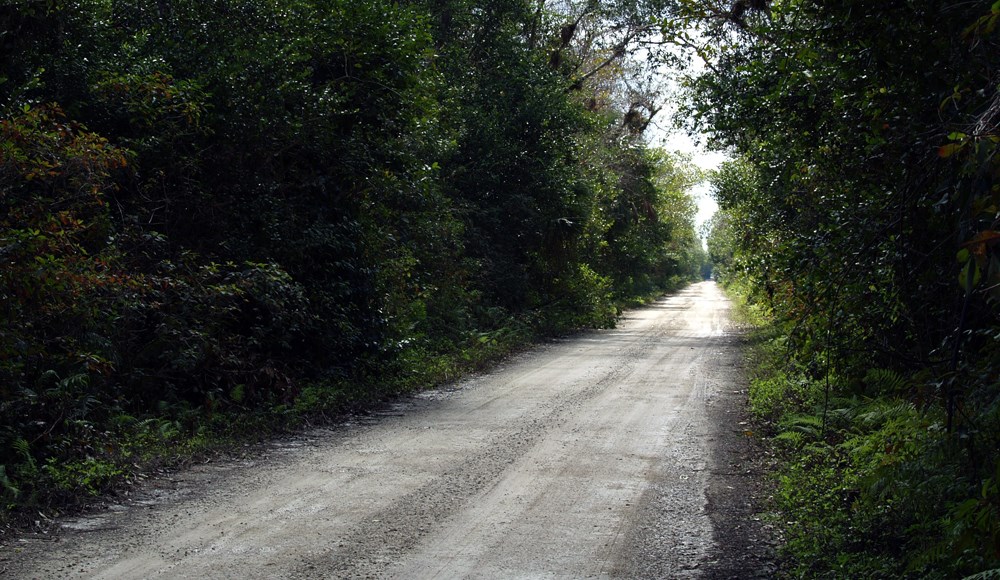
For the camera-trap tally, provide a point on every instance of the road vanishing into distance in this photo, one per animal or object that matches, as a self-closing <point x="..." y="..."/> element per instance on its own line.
<point x="593" y="456"/>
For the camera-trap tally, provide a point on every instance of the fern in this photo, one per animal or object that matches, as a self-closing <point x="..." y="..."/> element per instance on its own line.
<point x="163" y="429"/>
<point x="877" y="415"/>
<point x="885" y="381"/>
<point x="23" y="448"/>
<point x="6" y="485"/>
<point x="122" y="420"/>
<point x="792" y="438"/>
<point x="810" y="425"/>
<point x="930" y="557"/>
<point x="25" y="471"/>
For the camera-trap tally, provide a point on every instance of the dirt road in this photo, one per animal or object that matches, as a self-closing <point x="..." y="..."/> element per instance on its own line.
<point x="590" y="457"/>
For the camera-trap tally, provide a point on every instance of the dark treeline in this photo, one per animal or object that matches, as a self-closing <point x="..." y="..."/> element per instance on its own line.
<point x="860" y="212"/>
<point x="269" y="208"/>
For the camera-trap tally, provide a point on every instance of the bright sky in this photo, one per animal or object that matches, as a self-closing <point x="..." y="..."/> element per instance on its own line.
<point x="680" y="141"/>
<point x="660" y="134"/>
<point x="676" y="140"/>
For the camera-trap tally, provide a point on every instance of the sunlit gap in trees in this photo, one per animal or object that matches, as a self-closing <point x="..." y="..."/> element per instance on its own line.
<point x="666" y="133"/>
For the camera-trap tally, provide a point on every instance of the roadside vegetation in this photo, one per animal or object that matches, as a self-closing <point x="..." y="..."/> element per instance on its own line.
<point x="223" y="218"/>
<point x="859" y="225"/>
<point x="220" y="219"/>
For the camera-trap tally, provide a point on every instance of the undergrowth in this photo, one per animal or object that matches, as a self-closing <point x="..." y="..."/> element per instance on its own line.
<point x="105" y="451"/>
<point x="108" y="454"/>
<point x="870" y="483"/>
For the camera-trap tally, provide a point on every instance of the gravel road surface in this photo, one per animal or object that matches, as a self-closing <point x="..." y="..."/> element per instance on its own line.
<point x="610" y="454"/>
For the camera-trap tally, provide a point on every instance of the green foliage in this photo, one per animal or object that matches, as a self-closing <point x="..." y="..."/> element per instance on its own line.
<point x="872" y="486"/>
<point x="81" y="478"/>
<point x="861" y="211"/>
<point x="255" y="212"/>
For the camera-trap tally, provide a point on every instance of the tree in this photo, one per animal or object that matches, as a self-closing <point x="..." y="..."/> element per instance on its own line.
<point x="266" y="207"/>
<point x="849" y="209"/>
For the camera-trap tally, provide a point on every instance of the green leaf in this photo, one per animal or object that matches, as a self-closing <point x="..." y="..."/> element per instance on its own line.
<point x="963" y="277"/>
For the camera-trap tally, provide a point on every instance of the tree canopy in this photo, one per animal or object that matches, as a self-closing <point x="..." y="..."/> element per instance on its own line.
<point x="277" y="208"/>
<point x="861" y="207"/>
<point x="272" y="209"/>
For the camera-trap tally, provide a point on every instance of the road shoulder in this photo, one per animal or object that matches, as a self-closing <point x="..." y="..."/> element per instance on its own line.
<point x="739" y="486"/>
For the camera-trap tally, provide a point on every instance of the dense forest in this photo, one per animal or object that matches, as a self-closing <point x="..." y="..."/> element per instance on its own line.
<point x="859" y="215"/>
<point x="223" y="217"/>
